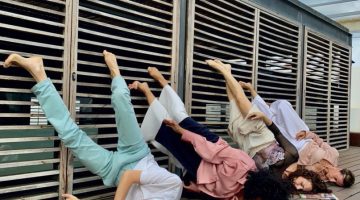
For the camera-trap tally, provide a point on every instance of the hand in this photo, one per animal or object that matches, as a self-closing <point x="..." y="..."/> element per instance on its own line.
<point x="301" y="135"/>
<point x="69" y="197"/>
<point x="256" y="116"/>
<point x="173" y="125"/>
<point x="245" y="86"/>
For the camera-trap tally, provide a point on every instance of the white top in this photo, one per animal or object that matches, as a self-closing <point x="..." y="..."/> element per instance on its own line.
<point x="285" y="118"/>
<point x="251" y="135"/>
<point x="156" y="183"/>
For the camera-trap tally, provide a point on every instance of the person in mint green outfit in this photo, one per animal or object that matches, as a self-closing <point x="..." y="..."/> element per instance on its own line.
<point x="131" y="168"/>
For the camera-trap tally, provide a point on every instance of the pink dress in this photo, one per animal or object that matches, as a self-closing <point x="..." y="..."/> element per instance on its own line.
<point x="223" y="169"/>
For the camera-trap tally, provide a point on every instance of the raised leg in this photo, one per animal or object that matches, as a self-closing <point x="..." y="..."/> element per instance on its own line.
<point x="286" y="117"/>
<point x="154" y="116"/>
<point x="240" y="98"/>
<point x="130" y="140"/>
<point x="94" y="157"/>
<point x="144" y="88"/>
<point x="176" y="108"/>
<point x="168" y="97"/>
<point x="228" y="91"/>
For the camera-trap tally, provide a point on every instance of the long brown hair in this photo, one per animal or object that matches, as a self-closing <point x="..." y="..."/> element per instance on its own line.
<point x="318" y="186"/>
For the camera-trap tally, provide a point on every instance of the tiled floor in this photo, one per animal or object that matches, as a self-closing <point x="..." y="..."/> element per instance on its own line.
<point x="350" y="159"/>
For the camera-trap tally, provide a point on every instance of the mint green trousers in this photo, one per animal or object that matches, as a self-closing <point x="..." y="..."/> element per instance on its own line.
<point x="109" y="165"/>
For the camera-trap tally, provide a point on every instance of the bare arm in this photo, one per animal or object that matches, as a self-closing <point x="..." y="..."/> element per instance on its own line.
<point x="129" y="178"/>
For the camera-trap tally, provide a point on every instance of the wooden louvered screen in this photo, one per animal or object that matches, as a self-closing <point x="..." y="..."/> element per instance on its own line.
<point x="339" y="96"/>
<point x="141" y="35"/>
<point x="326" y="84"/>
<point x="224" y="30"/>
<point x="278" y="69"/>
<point x="75" y="32"/>
<point x="29" y="148"/>
<point x="316" y="83"/>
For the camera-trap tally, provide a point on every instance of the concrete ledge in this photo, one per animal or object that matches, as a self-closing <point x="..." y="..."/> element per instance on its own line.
<point x="355" y="139"/>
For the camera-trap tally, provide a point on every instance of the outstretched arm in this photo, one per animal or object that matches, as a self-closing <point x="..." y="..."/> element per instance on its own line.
<point x="129" y="178"/>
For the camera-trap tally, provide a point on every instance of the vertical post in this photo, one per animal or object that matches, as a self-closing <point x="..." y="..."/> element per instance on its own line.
<point x="176" y="67"/>
<point x="349" y="100"/>
<point x="300" y="69"/>
<point x="63" y="178"/>
<point x="72" y="82"/>
<point x="256" y="49"/>
<point x="189" y="53"/>
<point x="303" y="107"/>
<point x="181" y="86"/>
<point x="175" y="43"/>
<point x="329" y="95"/>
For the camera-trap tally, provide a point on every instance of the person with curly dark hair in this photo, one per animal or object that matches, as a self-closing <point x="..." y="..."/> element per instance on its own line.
<point x="306" y="181"/>
<point x="256" y="187"/>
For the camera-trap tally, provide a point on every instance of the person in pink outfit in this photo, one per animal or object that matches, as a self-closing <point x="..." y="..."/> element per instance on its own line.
<point x="212" y="166"/>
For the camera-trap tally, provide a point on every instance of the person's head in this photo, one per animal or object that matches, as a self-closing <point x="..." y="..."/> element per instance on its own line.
<point x="263" y="185"/>
<point x="348" y="178"/>
<point x="334" y="175"/>
<point x="303" y="180"/>
<point x="343" y="178"/>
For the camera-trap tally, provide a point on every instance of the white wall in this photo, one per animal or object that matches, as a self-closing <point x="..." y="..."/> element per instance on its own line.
<point x="355" y="86"/>
<point x="355" y="100"/>
<point x="354" y="26"/>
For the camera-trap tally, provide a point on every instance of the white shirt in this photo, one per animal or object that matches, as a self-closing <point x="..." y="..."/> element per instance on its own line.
<point x="156" y="183"/>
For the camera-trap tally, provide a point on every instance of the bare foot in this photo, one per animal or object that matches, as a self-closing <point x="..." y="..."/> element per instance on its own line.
<point x="226" y="66"/>
<point x="110" y="60"/>
<point x="217" y="65"/>
<point x="34" y="65"/>
<point x="245" y="86"/>
<point x="155" y="73"/>
<point x="136" y="85"/>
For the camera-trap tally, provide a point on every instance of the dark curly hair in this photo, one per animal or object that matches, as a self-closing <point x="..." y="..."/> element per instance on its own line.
<point x="265" y="185"/>
<point x="349" y="178"/>
<point x="318" y="186"/>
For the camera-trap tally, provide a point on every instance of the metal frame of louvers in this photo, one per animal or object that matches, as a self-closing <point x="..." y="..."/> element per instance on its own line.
<point x="71" y="36"/>
<point x="225" y="30"/>
<point x="326" y="88"/>
<point x="141" y="34"/>
<point x="277" y="70"/>
<point x="31" y="157"/>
